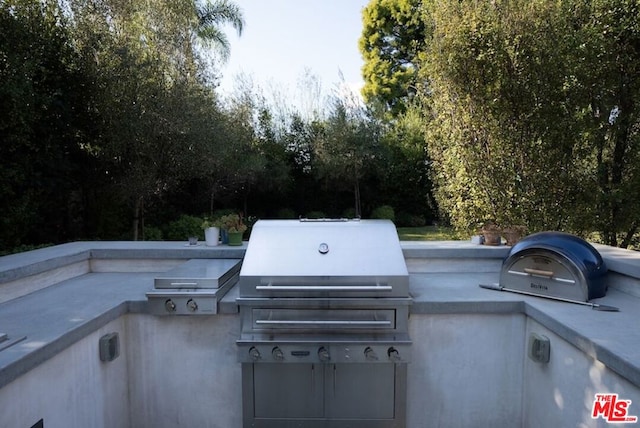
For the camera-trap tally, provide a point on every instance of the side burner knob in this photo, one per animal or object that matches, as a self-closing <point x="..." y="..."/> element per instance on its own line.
<point x="393" y="354"/>
<point x="169" y="305"/>
<point x="192" y="305"/>
<point x="370" y="354"/>
<point x="277" y="354"/>
<point x="323" y="354"/>
<point x="254" y="354"/>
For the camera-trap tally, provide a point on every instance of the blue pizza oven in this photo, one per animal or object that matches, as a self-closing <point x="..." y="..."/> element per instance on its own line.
<point x="555" y="264"/>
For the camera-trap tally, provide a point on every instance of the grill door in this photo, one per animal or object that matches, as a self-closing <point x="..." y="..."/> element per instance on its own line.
<point x="286" y="391"/>
<point x="328" y="391"/>
<point x="360" y="391"/>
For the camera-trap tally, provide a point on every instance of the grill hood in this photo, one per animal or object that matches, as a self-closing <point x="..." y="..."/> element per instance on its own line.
<point x="305" y="255"/>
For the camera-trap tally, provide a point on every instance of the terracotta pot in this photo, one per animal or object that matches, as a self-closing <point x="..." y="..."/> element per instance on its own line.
<point x="513" y="234"/>
<point x="492" y="237"/>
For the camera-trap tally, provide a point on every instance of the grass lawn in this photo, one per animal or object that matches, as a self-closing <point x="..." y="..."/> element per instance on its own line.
<point x="428" y="233"/>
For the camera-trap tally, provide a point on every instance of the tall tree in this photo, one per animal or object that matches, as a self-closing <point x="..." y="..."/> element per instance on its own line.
<point x="40" y="125"/>
<point x="212" y="15"/>
<point x="610" y="81"/>
<point x="393" y="37"/>
<point x="153" y="110"/>
<point x="526" y="102"/>
<point x="348" y="149"/>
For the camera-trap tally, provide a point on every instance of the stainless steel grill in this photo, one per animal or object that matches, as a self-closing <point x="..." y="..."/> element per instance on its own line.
<point x="324" y="308"/>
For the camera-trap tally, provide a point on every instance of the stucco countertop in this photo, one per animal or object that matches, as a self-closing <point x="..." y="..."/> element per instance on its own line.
<point x="58" y="315"/>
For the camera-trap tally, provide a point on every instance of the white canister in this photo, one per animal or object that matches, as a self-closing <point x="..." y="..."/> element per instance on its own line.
<point x="211" y="235"/>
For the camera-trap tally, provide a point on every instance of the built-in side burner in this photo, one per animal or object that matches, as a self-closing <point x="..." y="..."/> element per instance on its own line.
<point x="193" y="288"/>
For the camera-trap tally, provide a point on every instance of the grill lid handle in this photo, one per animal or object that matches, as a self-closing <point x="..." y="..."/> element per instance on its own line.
<point x="539" y="272"/>
<point x="372" y="323"/>
<point x="270" y="287"/>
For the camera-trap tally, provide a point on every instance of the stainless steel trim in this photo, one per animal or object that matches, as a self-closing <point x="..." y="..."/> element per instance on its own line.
<point x="326" y="220"/>
<point x="270" y="287"/>
<point x="517" y="272"/>
<point x="320" y="322"/>
<point x="181" y="284"/>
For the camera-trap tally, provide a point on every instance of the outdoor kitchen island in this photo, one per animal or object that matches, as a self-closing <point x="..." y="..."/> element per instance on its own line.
<point x="469" y="363"/>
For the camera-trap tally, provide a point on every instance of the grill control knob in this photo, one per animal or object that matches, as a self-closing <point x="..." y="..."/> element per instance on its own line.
<point x="192" y="305"/>
<point x="370" y="354"/>
<point x="277" y="354"/>
<point x="323" y="354"/>
<point x="169" y="305"/>
<point x="254" y="354"/>
<point x="393" y="354"/>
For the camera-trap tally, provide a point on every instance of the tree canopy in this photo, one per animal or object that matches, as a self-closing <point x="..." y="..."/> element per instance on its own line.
<point x="113" y="128"/>
<point x="393" y="37"/>
<point x="519" y="112"/>
<point x="532" y="113"/>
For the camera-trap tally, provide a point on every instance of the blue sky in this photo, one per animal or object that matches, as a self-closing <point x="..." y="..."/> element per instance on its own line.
<point x="282" y="38"/>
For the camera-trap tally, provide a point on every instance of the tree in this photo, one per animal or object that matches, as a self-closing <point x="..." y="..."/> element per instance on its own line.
<point x="610" y="88"/>
<point x="393" y="38"/>
<point x="525" y="106"/>
<point x="40" y="126"/>
<point x="211" y="16"/>
<point x="405" y="180"/>
<point x="155" y="115"/>
<point x="348" y="149"/>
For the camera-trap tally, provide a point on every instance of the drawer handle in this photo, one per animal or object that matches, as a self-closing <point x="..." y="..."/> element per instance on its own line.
<point x="324" y="287"/>
<point x="327" y="322"/>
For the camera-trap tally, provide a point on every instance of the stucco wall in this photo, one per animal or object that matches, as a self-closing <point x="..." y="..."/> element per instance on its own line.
<point x="561" y="392"/>
<point x="183" y="371"/>
<point x="74" y="389"/>
<point x="466" y="370"/>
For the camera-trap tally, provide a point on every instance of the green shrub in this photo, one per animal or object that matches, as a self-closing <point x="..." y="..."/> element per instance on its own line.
<point x="404" y="219"/>
<point x="23" y="248"/>
<point x="349" y="213"/>
<point x="384" y="212"/>
<point x="286" y="213"/>
<point x="223" y="212"/>
<point x="184" y="227"/>
<point x="315" y="214"/>
<point x="152" y="233"/>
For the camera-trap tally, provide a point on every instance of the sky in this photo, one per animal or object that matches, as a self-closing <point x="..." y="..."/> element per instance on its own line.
<point x="284" y="39"/>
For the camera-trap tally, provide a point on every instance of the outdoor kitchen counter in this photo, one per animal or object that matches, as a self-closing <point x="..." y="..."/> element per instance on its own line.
<point x="56" y="316"/>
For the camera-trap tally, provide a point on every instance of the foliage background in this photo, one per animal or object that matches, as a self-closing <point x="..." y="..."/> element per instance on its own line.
<point x="112" y="128"/>
<point x="518" y="112"/>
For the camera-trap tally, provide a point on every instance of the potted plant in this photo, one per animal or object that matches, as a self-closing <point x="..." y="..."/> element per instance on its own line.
<point x="513" y="233"/>
<point x="235" y="227"/>
<point x="211" y="232"/>
<point x="492" y="233"/>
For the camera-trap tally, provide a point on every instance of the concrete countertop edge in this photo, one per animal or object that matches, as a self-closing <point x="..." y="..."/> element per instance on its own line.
<point x="33" y="359"/>
<point x="20" y="265"/>
<point x="16" y="266"/>
<point x="618" y="260"/>
<point x="615" y="362"/>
